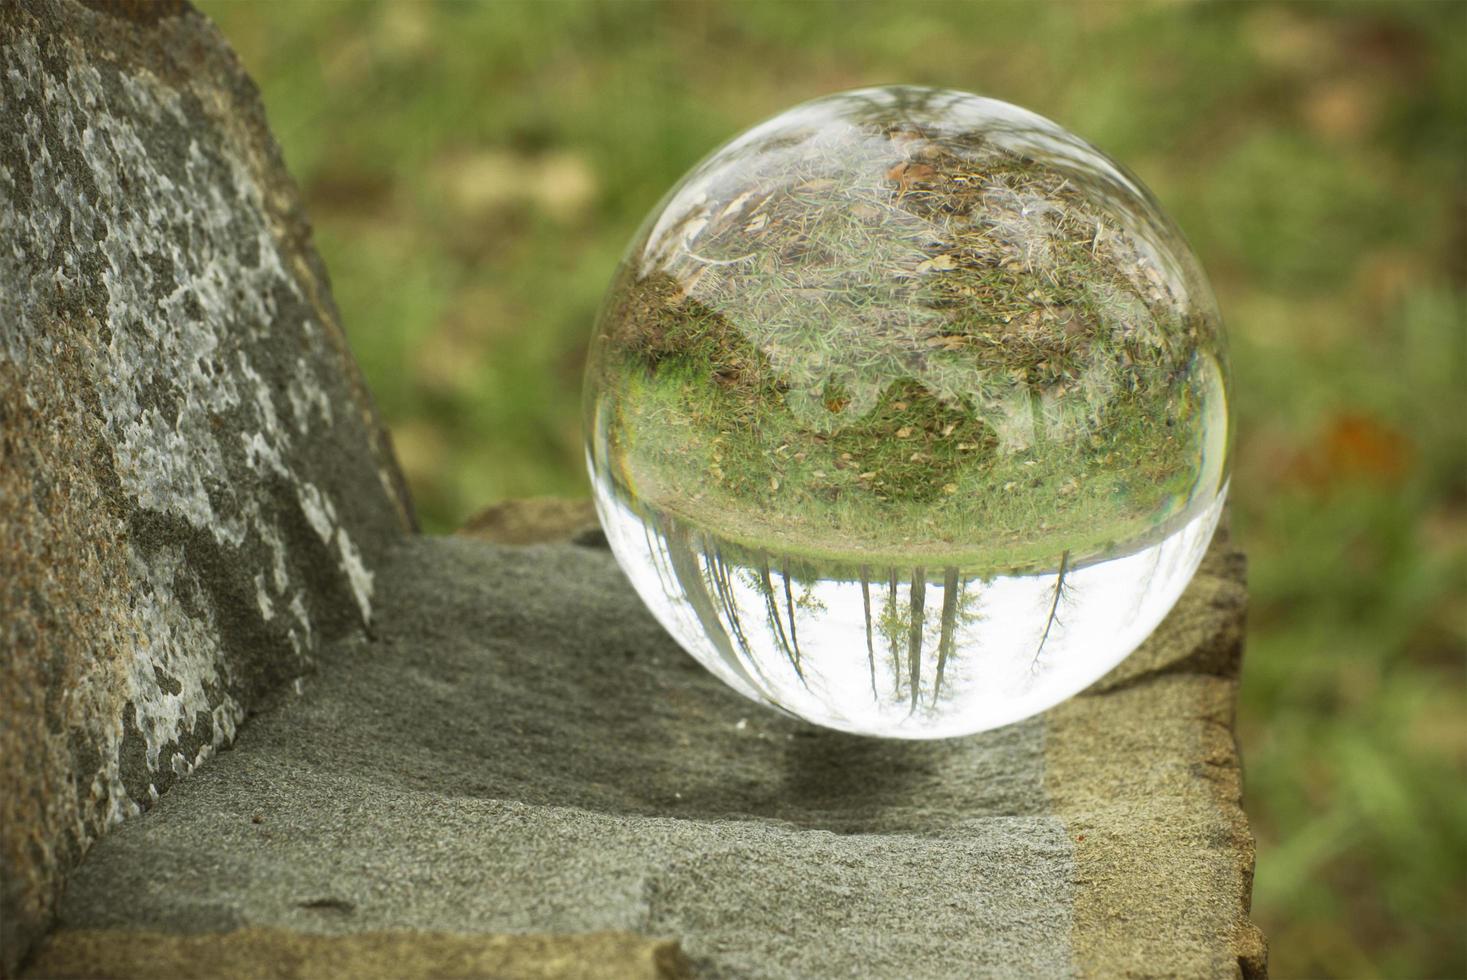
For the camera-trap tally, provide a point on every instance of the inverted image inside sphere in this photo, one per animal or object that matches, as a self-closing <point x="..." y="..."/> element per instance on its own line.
<point x="904" y="336"/>
<point x="903" y="322"/>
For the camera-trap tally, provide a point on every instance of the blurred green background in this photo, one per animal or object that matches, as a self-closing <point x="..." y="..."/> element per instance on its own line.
<point x="473" y="172"/>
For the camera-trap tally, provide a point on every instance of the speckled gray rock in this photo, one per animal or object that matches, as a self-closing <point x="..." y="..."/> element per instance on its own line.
<point x="194" y="490"/>
<point x="520" y="748"/>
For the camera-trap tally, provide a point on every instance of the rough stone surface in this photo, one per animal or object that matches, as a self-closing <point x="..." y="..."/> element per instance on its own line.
<point x="280" y="954"/>
<point x="194" y="489"/>
<point x="521" y="748"/>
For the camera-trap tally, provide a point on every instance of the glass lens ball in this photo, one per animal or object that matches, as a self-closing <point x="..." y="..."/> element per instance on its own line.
<point x="907" y="413"/>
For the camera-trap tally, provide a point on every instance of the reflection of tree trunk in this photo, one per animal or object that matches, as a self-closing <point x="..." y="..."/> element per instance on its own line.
<point x="914" y="633"/>
<point x="789" y="603"/>
<point x="1059" y="593"/>
<point x="893" y="639"/>
<point x="723" y="587"/>
<point x="654" y="548"/>
<point x="949" y="626"/>
<point x="719" y="574"/>
<point x="870" y="644"/>
<point x="771" y="608"/>
<point x="1144" y="592"/>
<point x="690" y="577"/>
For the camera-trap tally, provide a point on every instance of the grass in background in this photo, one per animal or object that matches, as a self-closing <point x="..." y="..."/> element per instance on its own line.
<point x="473" y="172"/>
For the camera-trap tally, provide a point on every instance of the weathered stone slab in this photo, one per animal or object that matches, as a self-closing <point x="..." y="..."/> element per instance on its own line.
<point x="280" y="954"/>
<point x="521" y="748"/>
<point x="194" y="489"/>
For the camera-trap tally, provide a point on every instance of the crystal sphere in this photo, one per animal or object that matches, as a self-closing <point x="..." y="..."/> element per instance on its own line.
<point x="907" y="413"/>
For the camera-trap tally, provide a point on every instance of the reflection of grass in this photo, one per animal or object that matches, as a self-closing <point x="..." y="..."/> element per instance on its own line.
<point x="778" y="485"/>
<point x="1312" y="152"/>
<point x="908" y="342"/>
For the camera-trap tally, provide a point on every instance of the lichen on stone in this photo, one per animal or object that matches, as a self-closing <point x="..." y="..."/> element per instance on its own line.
<point x="194" y="488"/>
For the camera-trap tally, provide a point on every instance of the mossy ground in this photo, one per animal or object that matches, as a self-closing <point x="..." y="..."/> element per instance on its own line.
<point x="869" y="494"/>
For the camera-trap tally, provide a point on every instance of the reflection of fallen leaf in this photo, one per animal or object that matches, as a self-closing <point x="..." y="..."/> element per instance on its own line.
<point x="948" y="342"/>
<point x="939" y="263"/>
<point x="1354" y="447"/>
<point x="907" y="174"/>
<point x="693" y="228"/>
<point x="736" y="205"/>
<point x="687" y="284"/>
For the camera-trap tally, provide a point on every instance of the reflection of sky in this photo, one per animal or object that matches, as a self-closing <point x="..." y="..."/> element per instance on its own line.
<point x="997" y="672"/>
